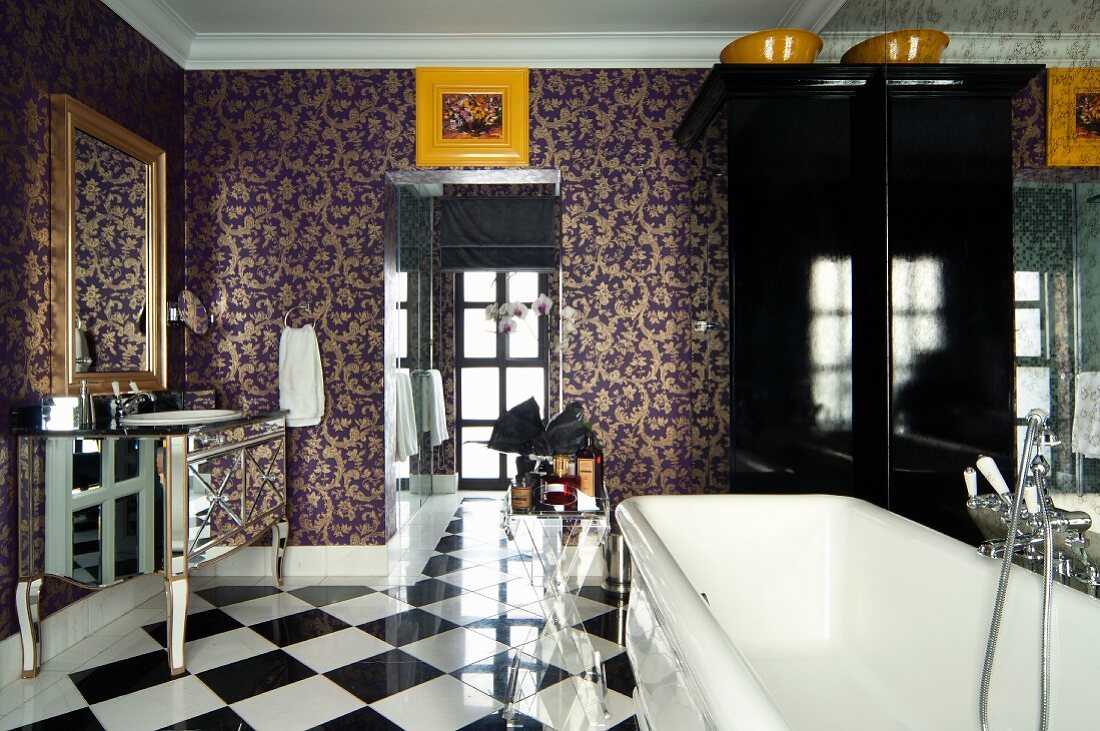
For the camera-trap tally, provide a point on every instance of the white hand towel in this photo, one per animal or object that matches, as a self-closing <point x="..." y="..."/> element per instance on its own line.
<point x="438" y="408"/>
<point x="301" y="382"/>
<point x="1086" y="415"/>
<point x="407" y="442"/>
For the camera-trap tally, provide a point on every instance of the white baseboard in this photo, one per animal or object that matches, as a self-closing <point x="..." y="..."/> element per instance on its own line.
<point x="69" y="625"/>
<point x="433" y="484"/>
<point x="316" y="561"/>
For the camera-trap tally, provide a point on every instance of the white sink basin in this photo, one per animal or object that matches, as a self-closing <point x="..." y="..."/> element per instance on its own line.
<point x="184" y="416"/>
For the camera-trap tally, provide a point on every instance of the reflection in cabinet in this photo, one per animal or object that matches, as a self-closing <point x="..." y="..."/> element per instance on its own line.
<point x="97" y="507"/>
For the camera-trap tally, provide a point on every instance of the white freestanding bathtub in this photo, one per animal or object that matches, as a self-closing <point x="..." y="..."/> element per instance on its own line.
<point x="828" y="613"/>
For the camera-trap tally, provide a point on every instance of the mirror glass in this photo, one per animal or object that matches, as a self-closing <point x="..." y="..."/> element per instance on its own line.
<point x="468" y="243"/>
<point x="107" y="245"/>
<point x="110" y="265"/>
<point x="193" y="312"/>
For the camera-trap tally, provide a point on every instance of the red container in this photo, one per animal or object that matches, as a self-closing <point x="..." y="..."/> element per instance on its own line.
<point x="558" y="496"/>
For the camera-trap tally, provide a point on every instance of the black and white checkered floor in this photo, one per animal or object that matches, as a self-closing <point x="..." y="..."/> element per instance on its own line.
<point x="428" y="648"/>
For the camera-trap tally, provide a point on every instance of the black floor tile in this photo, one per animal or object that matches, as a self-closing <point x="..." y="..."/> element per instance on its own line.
<point x="428" y="591"/>
<point x="382" y="675"/>
<point x="221" y="596"/>
<point x="362" y="720"/>
<point x="439" y="565"/>
<point x="491" y="676"/>
<point x="409" y="626"/>
<point x="81" y="720"/>
<point x="511" y="628"/>
<point x="619" y="675"/>
<point x="254" y="675"/>
<point x="610" y="625"/>
<point x="599" y="594"/>
<point x="223" y="719"/>
<point x="299" y="627"/>
<point x="124" y="676"/>
<point x="454" y="543"/>
<point x="496" y="721"/>
<point x="454" y="527"/>
<point x="322" y="596"/>
<point x="198" y="626"/>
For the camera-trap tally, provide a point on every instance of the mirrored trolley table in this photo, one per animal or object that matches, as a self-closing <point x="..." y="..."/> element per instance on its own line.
<point x="563" y="546"/>
<point x="99" y="506"/>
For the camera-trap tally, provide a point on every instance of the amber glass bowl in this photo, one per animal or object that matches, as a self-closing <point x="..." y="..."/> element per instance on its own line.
<point x="780" y="45"/>
<point x="916" y="45"/>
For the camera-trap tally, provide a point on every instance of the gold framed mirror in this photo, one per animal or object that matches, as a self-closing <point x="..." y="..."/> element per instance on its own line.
<point x="107" y="239"/>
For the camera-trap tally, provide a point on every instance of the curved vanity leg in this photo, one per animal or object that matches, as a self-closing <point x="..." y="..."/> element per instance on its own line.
<point x="26" y="609"/>
<point x="176" y="592"/>
<point x="279" y="533"/>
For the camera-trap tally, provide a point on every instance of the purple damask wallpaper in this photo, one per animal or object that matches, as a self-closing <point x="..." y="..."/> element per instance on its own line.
<point x="81" y="48"/>
<point x="1029" y="139"/>
<point x="285" y="172"/>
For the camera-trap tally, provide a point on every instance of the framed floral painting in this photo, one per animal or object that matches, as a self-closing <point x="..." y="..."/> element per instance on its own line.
<point x="471" y="117"/>
<point x="1073" y="117"/>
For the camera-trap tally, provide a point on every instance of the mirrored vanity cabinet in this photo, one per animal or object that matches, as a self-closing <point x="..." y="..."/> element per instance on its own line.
<point x="99" y="506"/>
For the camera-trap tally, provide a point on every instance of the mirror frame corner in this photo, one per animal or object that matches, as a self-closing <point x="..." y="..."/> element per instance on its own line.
<point x="67" y="116"/>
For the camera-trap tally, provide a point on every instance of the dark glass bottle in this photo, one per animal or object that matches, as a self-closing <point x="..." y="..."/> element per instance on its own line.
<point x="590" y="467"/>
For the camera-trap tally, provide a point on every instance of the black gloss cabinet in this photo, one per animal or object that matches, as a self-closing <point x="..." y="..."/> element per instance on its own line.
<point x="870" y="234"/>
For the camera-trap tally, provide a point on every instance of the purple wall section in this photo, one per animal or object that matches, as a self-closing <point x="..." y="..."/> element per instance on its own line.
<point x="284" y="184"/>
<point x="81" y="48"/>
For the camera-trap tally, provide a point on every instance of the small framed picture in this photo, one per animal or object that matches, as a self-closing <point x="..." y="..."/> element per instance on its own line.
<point x="471" y="117"/>
<point x="1073" y="117"/>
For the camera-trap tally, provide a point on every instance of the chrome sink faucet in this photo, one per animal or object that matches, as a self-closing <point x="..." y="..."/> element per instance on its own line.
<point x="126" y="405"/>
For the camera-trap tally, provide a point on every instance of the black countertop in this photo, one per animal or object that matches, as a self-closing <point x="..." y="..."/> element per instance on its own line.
<point x="27" y="422"/>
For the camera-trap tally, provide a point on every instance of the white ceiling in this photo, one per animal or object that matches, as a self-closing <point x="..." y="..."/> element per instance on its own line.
<point x="205" y="34"/>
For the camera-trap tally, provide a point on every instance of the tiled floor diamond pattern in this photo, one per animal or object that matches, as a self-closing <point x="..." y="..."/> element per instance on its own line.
<point x="429" y="651"/>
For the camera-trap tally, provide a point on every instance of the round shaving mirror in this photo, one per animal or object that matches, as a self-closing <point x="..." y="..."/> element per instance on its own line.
<point x="193" y="312"/>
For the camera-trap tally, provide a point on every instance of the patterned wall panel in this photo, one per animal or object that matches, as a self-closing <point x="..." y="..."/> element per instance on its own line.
<point x="81" y="48"/>
<point x="285" y="206"/>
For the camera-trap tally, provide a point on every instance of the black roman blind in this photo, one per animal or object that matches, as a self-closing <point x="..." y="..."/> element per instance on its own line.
<point x="497" y="233"/>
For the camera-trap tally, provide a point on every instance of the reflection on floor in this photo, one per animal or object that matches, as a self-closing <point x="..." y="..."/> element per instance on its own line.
<point x="427" y="648"/>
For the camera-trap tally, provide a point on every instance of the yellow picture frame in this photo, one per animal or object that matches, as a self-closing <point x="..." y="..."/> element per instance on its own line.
<point x="1073" y="117"/>
<point x="472" y="117"/>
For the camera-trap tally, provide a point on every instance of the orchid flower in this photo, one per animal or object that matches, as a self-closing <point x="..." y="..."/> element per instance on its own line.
<point x="507" y="326"/>
<point x="568" y="313"/>
<point x="542" y="304"/>
<point x="515" y="309"/>
<point x="491" y="313"/>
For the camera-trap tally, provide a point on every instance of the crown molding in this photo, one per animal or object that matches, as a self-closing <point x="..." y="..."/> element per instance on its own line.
<point x="1065" y="49"/>
<point x="408" y="50"/>
<point x="160" y="25"/>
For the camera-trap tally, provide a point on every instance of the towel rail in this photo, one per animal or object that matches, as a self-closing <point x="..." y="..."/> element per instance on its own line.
<point x="306" y="309"/>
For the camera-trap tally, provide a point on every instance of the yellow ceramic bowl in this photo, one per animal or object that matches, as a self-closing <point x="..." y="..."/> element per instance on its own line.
<point x="916" y="45"/>
<point x="781" y="45"/>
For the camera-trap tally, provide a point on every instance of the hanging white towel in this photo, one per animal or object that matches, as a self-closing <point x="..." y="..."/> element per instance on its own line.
<point x="435" y="407"/>
<point x="301" y="382"/>
<point x="407" y="443"/>
<point x="1086" y="415"/>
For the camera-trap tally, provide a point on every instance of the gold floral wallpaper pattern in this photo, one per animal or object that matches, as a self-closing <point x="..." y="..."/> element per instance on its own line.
<point x="81" y="48"/>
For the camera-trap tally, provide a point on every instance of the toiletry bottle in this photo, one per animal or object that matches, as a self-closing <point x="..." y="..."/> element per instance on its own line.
<point x="521" y="495"/>
<point x="590" y="466"/>
<point x="87" y="409"/>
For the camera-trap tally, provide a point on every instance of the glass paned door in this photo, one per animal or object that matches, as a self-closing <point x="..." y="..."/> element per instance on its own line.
<point x="495" y="371"/>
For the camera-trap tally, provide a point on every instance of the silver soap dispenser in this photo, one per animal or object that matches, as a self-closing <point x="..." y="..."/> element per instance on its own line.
<point x="87" y="407"/>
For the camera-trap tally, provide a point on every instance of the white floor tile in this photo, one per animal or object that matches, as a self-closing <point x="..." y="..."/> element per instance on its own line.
<point x="530" y="627"/>
<point x="454" y="649"/>
<point x="159" y="706"/>
<point x="576" y="609"/>
<point x="138" y="642"/>
<point x="151" y="611"/>
<point x="223" y="648"/>
<point x="57" y="697"/>
<point x="484" y="554"/>
<point x="443" y="704"/>
<point x="465" y="608"/>
<point x="477" y="577"/>
<point x="20" y="691"/>
<point x="517" y="593"/>
<point x="300" y="705"/>
<point x="563" y="706"/>
<point x="337" y="649"/>
<point x="266" y="608"/>
<point x="196" y="603"/>
<point x="366" y="608"/>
